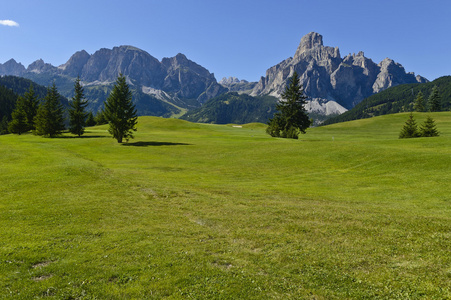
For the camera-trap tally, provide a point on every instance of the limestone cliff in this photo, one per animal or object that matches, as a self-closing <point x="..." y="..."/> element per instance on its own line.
<point x="326" y="76"/>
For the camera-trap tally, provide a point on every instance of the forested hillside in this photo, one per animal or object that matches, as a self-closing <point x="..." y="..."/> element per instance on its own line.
<point x="21" y="85"/>
<point x="396" y="99"/>
<point x="10" y="88"/>
<point x="7" y="103"/>
<point x="234" y="108"/>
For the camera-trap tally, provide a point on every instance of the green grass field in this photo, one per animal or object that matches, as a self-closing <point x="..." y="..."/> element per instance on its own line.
<point x="198" y="211"/>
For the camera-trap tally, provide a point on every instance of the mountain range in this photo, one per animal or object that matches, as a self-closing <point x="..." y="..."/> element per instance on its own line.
<point x="175" y="85"/>
<point x="330" y="81"/>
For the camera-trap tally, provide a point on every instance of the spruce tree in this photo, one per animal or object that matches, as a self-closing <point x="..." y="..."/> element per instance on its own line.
<point x="49" y="119"/>
<point x="31" y="104"/>
<point x="100" y="118"/>
<point x="428" y="128"/>
<point x="120" y="112"/>
<point x="4" y="125"/>
<point x="291" y="117"/>
<point x="410" y="129"/>
<point x="434" y="100"/>
<point x="90" y="120"/>
<point x="19" y="122"/>
<point x="77" y="114"/>
<point x="419" y="103"/>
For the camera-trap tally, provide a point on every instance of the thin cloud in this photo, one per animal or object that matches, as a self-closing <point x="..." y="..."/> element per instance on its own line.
<point x="9" y="23"/>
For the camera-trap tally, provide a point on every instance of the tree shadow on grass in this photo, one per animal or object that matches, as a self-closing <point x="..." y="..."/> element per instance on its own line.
<point x="152" y="144"/>
<point x="82" y="137"/>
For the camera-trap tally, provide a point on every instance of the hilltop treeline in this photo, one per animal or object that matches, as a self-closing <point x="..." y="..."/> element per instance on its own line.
<point x="396" y="99"/>
<point x="7" y="103"/>
<point x="11" y="87"/>
<point x="234" y="108"/>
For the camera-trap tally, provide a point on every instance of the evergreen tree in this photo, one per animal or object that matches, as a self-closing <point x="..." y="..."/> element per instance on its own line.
<point x="49" y="119"/>
<point x="419" y="102"/>
<point x="410" y="129"/>
<point x="100" y="118"/>
<point x="4" y="125"/>
<point x="120" y="112"/>
<point x="31" y="104"/>
<point x="90" y="120"/>
<point x="434" y="100"/>
<point x="77" y="114"/>
<point x="428" y="128"/>
<point x="19" y="122"/>
<point x="291" y="117"/>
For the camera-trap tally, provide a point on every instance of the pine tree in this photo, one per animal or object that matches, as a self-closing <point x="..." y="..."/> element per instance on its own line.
<point x="19" y="122"/>
<point x="31" y="104"/>
<point x="410" y="129"/>
<point x="90" y="120"/>
<point x="428" y="128"/>
<point x="77" y="114"/>
<point x="100" y="118"/>
<point x="434" y="100"/>
<point x="49" y="119"/>
<point x="419" y="102"/>
<point x="120" y="112"/>
<point x="4" y="125"/>
<point x="291" y="117"/>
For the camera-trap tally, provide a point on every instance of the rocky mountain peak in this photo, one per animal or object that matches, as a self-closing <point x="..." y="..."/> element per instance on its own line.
<point x="310" y="41"/>
<point x="74" y="66"/>
<point x="180" y="62"/>
<point x="230" y="80"/>
<point x="11" y="67"/>
<point x="125" y="48"/>
<point x="234" y="84"/>
<point x="181" y="57"/>
<point x="39" y="66"/>
<point x="328" y="77"/>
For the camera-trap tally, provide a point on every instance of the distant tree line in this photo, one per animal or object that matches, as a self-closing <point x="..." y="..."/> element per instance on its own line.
<point x="233" y="108"/>
<point x="434" y="101"/>
<point x="401" y="98"/>
<point x="46" y="117"/>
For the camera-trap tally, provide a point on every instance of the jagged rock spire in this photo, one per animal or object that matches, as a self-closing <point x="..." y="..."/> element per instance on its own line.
<point x="310" y="41"/>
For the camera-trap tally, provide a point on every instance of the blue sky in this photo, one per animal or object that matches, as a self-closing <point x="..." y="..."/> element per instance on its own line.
<point x="230" y="38"/>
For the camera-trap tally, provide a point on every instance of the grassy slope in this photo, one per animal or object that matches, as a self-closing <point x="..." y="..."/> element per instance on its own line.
<point x="210" y="211"/>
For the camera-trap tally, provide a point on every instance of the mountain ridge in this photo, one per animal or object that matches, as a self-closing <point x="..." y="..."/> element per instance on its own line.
<point x="179" y="78"/>
<point x="332" y="84"/>
<point x="326" y="76"/>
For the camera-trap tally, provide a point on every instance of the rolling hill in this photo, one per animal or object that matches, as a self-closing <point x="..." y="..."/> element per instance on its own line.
<point x="204" y="211"/>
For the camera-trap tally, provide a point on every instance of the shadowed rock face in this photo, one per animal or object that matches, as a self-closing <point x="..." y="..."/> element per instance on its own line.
<point x="189" y="80"/>
<point x="11" y="67"/>
<point x="326" y="76"/>
<point x="178" y="75"/>
<point x="139" y="66"/>
<point x="74" y="66"/>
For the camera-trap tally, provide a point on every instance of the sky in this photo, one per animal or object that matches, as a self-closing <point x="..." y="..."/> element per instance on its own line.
<point x="230" y="38"/>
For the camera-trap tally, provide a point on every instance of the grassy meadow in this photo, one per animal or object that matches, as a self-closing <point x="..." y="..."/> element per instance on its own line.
<point x="199" y="211"/>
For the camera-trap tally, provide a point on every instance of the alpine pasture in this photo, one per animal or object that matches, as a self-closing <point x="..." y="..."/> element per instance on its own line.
<point x="201" y="211"/>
